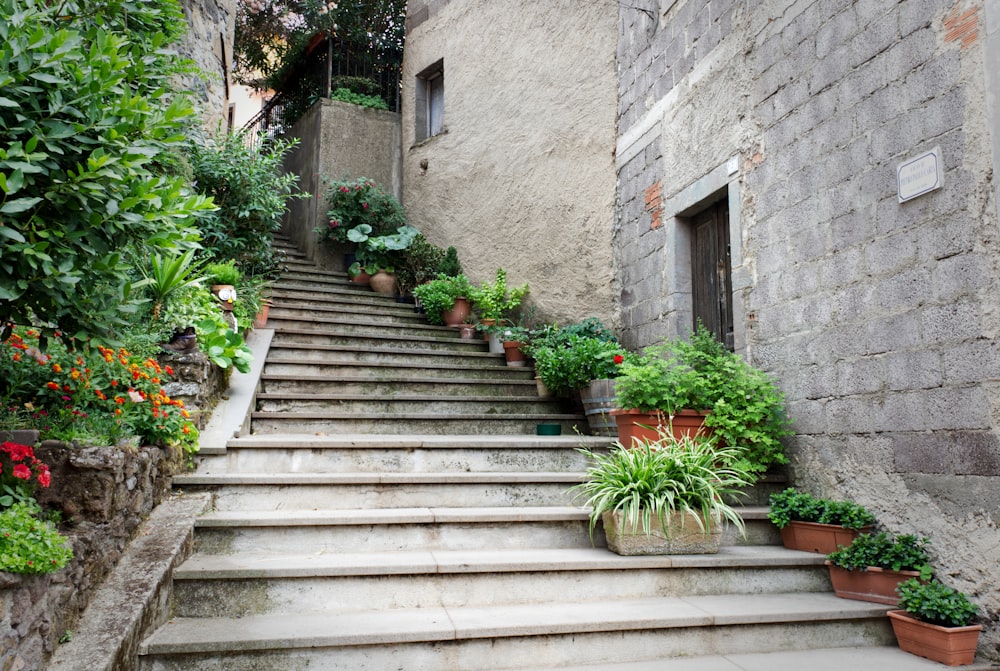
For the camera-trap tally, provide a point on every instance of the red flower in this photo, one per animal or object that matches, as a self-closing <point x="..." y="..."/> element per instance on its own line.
<point x="619" y="359"/>
<point x="22" y="472"/>
<point x="45" y="478"/>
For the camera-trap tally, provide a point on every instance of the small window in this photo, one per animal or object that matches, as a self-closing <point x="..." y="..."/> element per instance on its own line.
<point x="429" y="105"/>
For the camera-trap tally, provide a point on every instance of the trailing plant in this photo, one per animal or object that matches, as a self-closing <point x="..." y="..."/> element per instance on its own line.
<point x="492" y="300"/>
<point x="91" y="120"/>
<point x="905" y="552"/>
<point x="369" y="101"/>
<point x="793" y="505"/>
<point x="438" y="296"/>
<point x="30" y="545"/>
<point x="647" y="482"/>
<point x="359" y="202"/>
<point x="224" y="346"/>
<point x="936" y="603"/>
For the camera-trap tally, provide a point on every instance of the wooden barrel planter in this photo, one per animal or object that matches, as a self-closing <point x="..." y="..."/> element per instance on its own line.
<point x="598" y="401"/>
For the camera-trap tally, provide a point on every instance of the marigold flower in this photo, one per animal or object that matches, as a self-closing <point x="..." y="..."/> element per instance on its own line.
<point x="52" y="385"/>
<point x="56" y="368"/>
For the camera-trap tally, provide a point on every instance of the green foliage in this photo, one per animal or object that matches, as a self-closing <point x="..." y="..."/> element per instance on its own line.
<point x="90" y="117"/>
<point x="492" y="300"/>
<point x="568" y="361"/>
<point x="225" y="347"/>
<point x="421" y="263"/>
<point x="359" y="202"/>
<point x="906" y="552"/>
<point x="29" y="545"/>
<point x="251" y="189"/>
<point x="659" y="477"/>
<point x="224" y="272"/>
<point x="936" y="603"/>
<point x="746" y="409"/>
<point x="186" y="307"/>
<point x="381" y="252"/>
<point x="438" y="295"/>
<point x="348" y="96"/>
<point x="166" y="275"/>
<point x="792" y="504"/>
<point x="450" y="265"/>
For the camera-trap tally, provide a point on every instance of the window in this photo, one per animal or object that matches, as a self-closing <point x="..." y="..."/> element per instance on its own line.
<point x="711" y="272"/>
<point x="429" y="106"/>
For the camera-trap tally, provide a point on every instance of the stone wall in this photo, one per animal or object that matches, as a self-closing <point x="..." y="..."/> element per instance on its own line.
<point x="338" y="141"/>
<point x="522" y="176"/>
<point x="104" y="493"/>
<point x="878" y="318"/>
<point x="209" y="43"/>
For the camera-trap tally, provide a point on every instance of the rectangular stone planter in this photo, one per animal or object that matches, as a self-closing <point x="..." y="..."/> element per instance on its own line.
<point x="821" y="538"/>
<point x="952" y="646"/>
<point x="683" y="536"/>
<point x="875" y="584"/>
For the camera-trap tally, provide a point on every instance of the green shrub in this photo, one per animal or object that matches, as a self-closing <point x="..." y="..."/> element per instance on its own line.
<point x="438" y="296"/>
<point x="348" y="96"/>
<point x="352" y="203"/>
<point x="936" y="603"/>
<point x="224" y="346"/>
<point x="792" y="505"/>
<point x="568" y="362"/>
<point x="450" y="265"/>
<point x="492" y="300"/>
<point x="28" y="544"/>
<point x="905" y="552"/>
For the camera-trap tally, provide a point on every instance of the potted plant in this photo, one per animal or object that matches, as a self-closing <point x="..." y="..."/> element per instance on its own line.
<point x="514" y="340"/>
<point x="361" y="201"/>
<point x="445" y="298"/>
<point x="420" y="262"/>
<point x="223" y="277"/>
<point x="817" y="525"/>
<point x="873" y="565"/>
<point x="493" y="301"/>
<point x="377" y="255"/>
<point x="935" y="621"/>
<point x="687" y="384"/>
<point x="666" y="496"/>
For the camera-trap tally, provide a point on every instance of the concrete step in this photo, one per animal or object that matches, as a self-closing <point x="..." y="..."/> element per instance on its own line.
<point x="305" y="320"/>
<point x="307" y="491"/>
<point x="426" y="385"/>
<point x="220" y="585"/>
<point x="379" y="311"/>
<point x="334" y="423"/>
<point x="423" y="528"/>
<point x="334" y="292"/>
<point x="530" y="636"/>
<point x="408" y="404"/>
<point x="420" y="354"/>
<point x="399" y="454"/>
<point x="288" y="363"/>
<point x="375" y="339"/>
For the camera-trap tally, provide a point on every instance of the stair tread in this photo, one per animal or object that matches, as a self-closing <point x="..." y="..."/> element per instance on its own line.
<point x="261" y="632"/>
<point x="407" y="441"/>
<point x="386" y="478"/>
<point x="264" y="565"/>
<point x="380" y="398"/>
<point x="470" y="416"/>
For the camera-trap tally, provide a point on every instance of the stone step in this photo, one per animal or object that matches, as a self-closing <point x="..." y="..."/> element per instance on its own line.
<point x="420" y="354"/>
<point x="373" y="339"/>
<point x="509" y="636"/>
<point x="347" y="312"/>
<point x="226" y="586"/>
<point x="423" y="528"/>
<point x="423" y="385"/>
<point x="299" y="268"/>
<point x="334" y="292"/>
<point x="409" y="404"/>
<point x="288" y="363"/>
<point x="307" y="491"/>
<point x="309" y="321"/>
<point x="406" y="423"/>
<point x="403" y="454"/>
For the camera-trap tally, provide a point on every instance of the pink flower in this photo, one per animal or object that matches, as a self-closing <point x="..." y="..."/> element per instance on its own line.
<point x="22" y="472"/>
<point x="45" y="478"/>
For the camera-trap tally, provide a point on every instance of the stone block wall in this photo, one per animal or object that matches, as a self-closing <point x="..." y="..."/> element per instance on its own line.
<point x="104" y="494"/>
<point x="879" y="319"/>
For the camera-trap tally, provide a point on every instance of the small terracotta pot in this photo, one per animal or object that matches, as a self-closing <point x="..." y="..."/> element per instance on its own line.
<point x="383" y="283"/>
<point x="512" y="351"/>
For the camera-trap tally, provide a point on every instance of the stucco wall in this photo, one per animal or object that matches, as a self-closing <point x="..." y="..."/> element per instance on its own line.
<point x="209" y="43"/>
<point x="522" y="178"/>
<point x="338" y="141"/>
<point x="878" y="318"/>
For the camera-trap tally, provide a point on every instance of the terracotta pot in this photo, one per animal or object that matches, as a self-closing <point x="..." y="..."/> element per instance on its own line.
<point x="953" y="646"/>
<point x="543" y="391"/>
<point x="362" y="278"/>
<point x="636" y="425"/>
<point x="512" y="351"/>
<point x="487" y="322"/>
<point x="467" y="331"/>
<point x="457" y="315"/>
<point x="683" y="536"/>
<point x="598" y="400"/>
<point x="821" y="538"/>
<point x="877" y="585"/>
<point x="383" y="283"/>
<point x="226" y="293"/>
<point x="260" y="321"/>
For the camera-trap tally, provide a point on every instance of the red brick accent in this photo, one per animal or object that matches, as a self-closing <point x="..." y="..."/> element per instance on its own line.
<point x="654" y="205"/>
<point x="962" y="26"/>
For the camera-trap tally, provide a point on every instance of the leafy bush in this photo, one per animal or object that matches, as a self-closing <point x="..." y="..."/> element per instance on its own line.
<point x="792" y="505"/>
<point x="450" y="265"/>
<point x="936" y="603"/>
<point x="568" y="362"/>
<point x="493" y="301"/>
<point x="251" y="190"/>
<point x="355" y="202"/>
<point x="166" y="275"/>
<point x="30" y="545"/>
<point x="224" y="346"/>
<point x="348" y="96"/>
<point x="421" y="263"/>
<point x="224" y="272"/>
<point x="438" y="295"/>
<point x="903" y="553"/>
<point x="90" y="118"/>
<point x="381" y="252"/>
<point x="651" y="480"/>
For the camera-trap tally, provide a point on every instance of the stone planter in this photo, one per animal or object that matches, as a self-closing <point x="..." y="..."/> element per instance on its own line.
<point x="877" y="585"/>
<point x="821" y="538"/>
<point x="683" y="536"/>
<point x="952" y="646"/>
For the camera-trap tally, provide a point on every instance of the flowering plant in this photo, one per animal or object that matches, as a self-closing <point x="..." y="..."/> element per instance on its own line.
<point x="568" y="362"/>
<point x="18" y="466"/>
<point x="356" y="202"/>
<point x="74" y="384"/>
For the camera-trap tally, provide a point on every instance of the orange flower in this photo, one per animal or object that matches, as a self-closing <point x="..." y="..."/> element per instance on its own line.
<point x="52" y="385"/>
<point x="56" y="368"/>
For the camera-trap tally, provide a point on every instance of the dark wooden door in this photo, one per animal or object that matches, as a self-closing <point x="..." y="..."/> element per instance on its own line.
<point x="712" y="280"/>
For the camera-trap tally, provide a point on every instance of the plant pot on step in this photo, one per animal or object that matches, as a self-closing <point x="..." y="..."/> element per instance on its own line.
<point x="467" y="331"/>
<point x="496" y="344"/>
<point x="598" y="400"/>
<point x="543" y="391"/>
<point x="815" y="537"/>
<point x="260" y="321"/>
<point x="512" y="351"/>
<point x="383" y="283"/>
<point x="876" y="585"/>
<point x="458" y="313"/>
<point x="638" y="425"/>
<point x="953" y="646"/>
<point x="683" y="536"/>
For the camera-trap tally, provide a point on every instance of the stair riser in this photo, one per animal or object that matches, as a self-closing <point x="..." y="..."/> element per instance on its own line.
<point x="387" y="326"/>
<point x="381" y="460"/>
<point x="309" y="312"/>
<point x="336" y="293"/>
<point x="548" y="651"/>
<point x="349" y="337"/>
<point x="262" y="423"/>
<point x="400" y="387"/>
<point x="239" y="598"/>
<point x="458" y="536"/>
<point x="496" y="405"/>
<point x="399" y="356"/>
<point x="289" y="366"/>
<point x="364" y="496"/>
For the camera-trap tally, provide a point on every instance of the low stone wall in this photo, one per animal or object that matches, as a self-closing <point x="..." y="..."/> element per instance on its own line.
<point x="105" y="493"/>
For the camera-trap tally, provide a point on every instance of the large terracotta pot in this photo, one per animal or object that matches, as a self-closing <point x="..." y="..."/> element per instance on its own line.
<point x="383" y="283"/>
<point x="683" y="536"/>
<point x="953" y="646"/>
<point x="821" y="538"/>
<point x="637" y="425"/>
<point x="458" y="313"/>
<point x="877" y="585"/>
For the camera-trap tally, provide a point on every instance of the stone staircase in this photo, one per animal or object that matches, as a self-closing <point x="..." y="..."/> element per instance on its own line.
<point x="393" y="509"/>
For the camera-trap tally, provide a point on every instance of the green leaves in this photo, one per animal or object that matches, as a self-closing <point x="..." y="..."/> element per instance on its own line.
<point x="223" y="346"/>
<point x="936" y="603"/>
<point x="903" y="553"/>
<point x="791" y="504"/>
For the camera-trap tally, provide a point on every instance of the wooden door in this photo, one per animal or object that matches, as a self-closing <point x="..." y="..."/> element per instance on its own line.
<point x="711" y="276"/>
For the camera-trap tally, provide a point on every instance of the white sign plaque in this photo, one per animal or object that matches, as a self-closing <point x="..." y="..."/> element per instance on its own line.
<point x="919" y="175"/>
